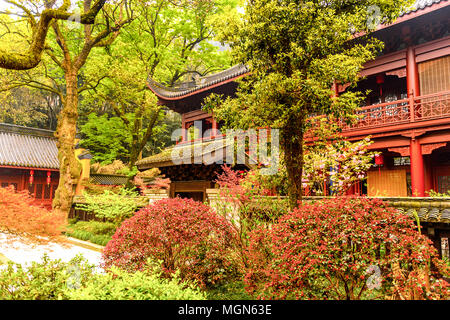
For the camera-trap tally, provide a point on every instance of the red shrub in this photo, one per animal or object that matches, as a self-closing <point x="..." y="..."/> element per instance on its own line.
<point x="184" y="234"/>
<point x="343" y="248"/>
<point x="18" y="214"/>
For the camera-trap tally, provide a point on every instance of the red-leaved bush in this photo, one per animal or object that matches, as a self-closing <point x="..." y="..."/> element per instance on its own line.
<point x="19" y="215"/>
<point x="184" y="234"/>
<point x="344" y="248"/>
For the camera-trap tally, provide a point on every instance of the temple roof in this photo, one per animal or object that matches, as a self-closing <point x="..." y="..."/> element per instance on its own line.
<point x="186" y="153"/>
<point x="188" y="95"/>
<point x="108" y="179"/>
<point x="185" y="88"/>
<point x="27" y="147"/>
<point x="421" y="5"/>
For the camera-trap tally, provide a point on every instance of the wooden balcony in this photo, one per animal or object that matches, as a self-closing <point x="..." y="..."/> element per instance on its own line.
<point x="414" y="112"/>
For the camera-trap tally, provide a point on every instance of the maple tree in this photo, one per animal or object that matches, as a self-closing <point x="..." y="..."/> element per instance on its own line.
<point x="19" y="214"/>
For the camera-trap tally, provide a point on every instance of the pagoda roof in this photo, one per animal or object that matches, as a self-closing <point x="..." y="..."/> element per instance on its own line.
<point x="186" y="88"/>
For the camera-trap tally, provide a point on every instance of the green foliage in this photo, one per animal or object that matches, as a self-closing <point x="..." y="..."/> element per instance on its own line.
<point x="114" y="207"/>
<point x="117" y="284"/>
<point x="234" y="290"/>
<point x="3" y="259"/>
<point x="296" y="51"/>
<point x="435" y="194"/>
<point x="106" y="138"/>
<point x="76" y="279"/>
<point x="169" y="42"/>
<point x="45" y="280"/>
<point x="94" y="231"/>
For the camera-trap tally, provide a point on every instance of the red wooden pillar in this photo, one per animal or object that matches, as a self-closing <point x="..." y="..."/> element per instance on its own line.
<point x="417" y="170"/>
<point x="412" y="79"/>
<point x="214" y="128"/>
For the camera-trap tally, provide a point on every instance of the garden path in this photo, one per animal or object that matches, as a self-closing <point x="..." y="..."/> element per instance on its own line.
<point x="23" y="250"/>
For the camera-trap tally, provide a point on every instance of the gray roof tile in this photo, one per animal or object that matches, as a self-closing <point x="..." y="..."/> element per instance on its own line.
<point x="27" y="147"/>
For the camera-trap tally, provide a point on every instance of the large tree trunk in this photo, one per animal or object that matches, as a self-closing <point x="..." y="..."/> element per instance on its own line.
<point x="293" y="156"/>
<point x="69" y="171"/>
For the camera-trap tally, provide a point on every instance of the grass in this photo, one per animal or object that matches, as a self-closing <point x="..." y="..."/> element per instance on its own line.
<point x="229" y="291"/>
<point x="93" y="231"/>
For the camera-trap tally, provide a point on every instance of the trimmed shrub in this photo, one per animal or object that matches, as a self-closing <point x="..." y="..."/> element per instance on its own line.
<point x="184" y="234"/>
<point x="114" y="207"/>
<point x="344" y="248"/>
<point x="18" y="214"/>
<point x="118" y="284"/>
<point x="45" y="280"/>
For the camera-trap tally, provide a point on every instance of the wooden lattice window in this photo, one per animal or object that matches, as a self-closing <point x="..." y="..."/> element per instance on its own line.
<point x="434" y="75"/>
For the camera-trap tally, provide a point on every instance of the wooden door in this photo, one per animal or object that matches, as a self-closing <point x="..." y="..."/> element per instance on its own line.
<point x="387" y="183"/>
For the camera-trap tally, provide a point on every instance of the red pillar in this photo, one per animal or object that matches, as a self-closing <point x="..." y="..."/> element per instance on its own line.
<point x="214" y="128"/>
<point x="412" y="79"/>
<point x="417" y="171"/>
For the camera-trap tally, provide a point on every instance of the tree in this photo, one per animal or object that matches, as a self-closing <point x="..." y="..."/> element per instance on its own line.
<point x="329" y="157"/>
<point x="31" y="56"/>
<point x="296" y="51"/>
<point x="68" y="50"/>
<point x="166" y="42"/>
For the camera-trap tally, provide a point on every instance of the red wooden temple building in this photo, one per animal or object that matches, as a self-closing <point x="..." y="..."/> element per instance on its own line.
<point x="29" y="161"/>
<point x="407" y="112"/>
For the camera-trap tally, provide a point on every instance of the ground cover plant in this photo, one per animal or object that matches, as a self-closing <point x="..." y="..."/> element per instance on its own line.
<point x="45" y="280"/>
<point x="147" y="284"/>
<point x="77" y="280"/>
<point x="344" y="248"/>
<point x="184" y="234"/>
<point x="18" y="214"/>
<point x="97" y="232"/>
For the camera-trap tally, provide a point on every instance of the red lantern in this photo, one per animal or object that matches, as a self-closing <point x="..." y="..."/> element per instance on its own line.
<point x="49" y="177"/>
<point x="379" y="159"/>
<point x="380" y="81"/>
<point x="31" y="176"/>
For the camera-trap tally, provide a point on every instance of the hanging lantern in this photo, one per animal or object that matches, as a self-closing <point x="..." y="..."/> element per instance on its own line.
<point x="379" y="159"/>
<point x="380" y="81"/>
<point x="49" y="177"/>
<point x="31" y="177"/>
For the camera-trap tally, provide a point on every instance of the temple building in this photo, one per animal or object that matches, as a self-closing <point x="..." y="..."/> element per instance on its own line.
<point x="29" y="161"/>
<point x="183" y="163"/>
<point x="407" y="113"/>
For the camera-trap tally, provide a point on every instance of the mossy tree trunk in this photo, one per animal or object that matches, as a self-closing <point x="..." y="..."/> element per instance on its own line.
<point x="66" y="131"/>
<point x="293" y="156"/>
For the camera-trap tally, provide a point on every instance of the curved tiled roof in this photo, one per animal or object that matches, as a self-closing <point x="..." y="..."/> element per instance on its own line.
<point x="27" y="147"/>
<point x="108" y="179"/>
<point x="185" y="88"/>
<point x="420" y="5"/>
<point x="188" y="153"/>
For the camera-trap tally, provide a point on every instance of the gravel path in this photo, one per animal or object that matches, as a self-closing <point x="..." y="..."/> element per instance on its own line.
<point x="23" y="251"/>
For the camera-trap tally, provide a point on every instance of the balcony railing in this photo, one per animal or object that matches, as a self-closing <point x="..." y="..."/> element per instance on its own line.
<point x="426" y="107"/>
